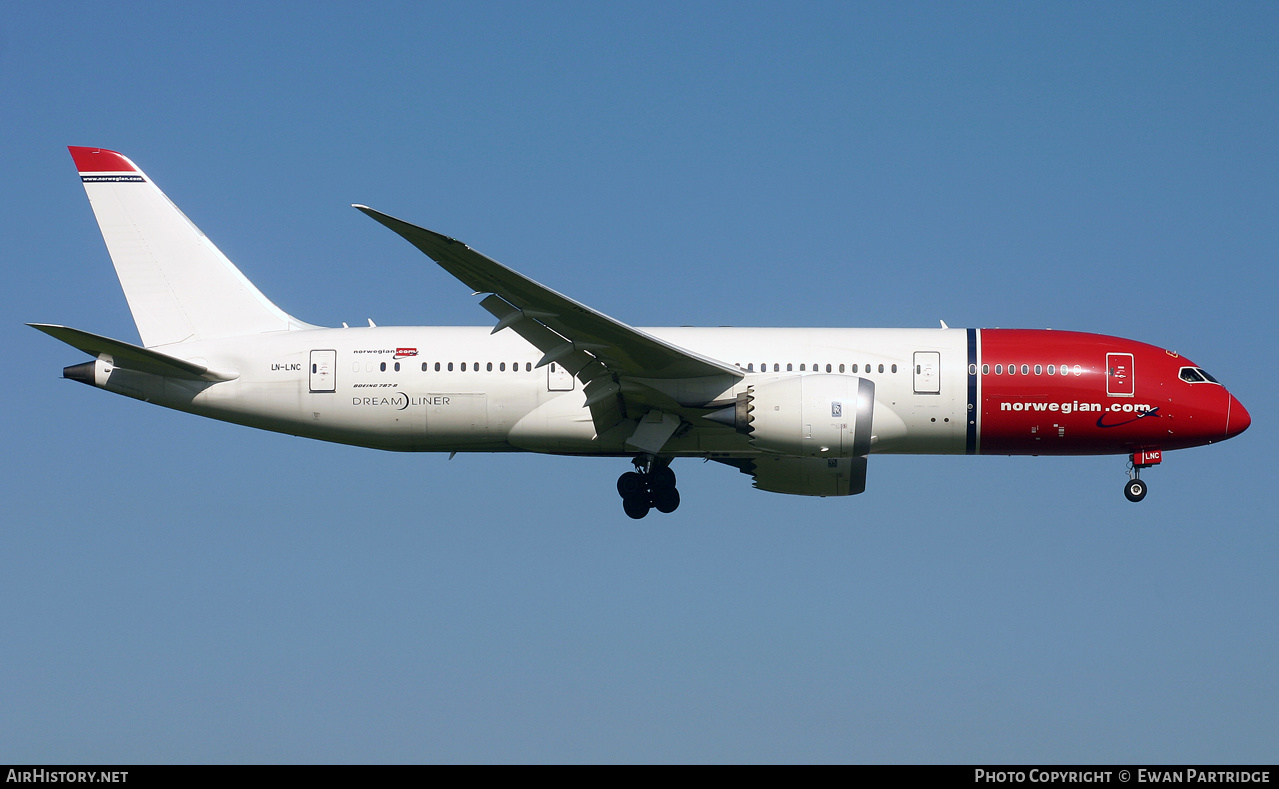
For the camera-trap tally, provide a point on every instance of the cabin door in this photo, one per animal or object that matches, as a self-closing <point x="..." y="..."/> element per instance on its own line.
<point x="1119" y="378"/>
<point x="558" y="379"/>
<point x="323" y="371"/>
<point x="927" y="372"/>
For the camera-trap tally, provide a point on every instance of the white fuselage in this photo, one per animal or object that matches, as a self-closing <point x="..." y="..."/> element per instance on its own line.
<point x="465" y="389"/>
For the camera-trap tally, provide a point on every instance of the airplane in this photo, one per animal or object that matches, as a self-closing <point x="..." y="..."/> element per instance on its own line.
<point x="800" y="410"/>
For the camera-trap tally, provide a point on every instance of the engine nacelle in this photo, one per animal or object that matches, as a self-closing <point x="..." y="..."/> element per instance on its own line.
<point x="809" y="476"/>
<point x="806" y="415"/>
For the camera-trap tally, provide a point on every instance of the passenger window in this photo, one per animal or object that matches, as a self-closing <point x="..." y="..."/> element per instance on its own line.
<point x="1051" y="370"/>
<point x="894" y="368"/>
<point x="881" y="368"/>
<point x="985" y="369"/>
<point x="801" y="368"/>
<point x="450" y="367"/>
<point x="489" y="367"/>
<point x="383" y="366"/>
<point x="501" y="368"/>
<point x="841" y="368"/>
<point x="750" y="368"/>
<point x="528" y="367"/>
<point x="437" y="367"/>
<point x="397" y="367"/>
<point x="972" y="369"/>
<point x="828" y="368"/>
<point x="1078" y="370"/>
<point x="1025" y="369"/>
<point x="463" y="366"/>
<point x="1039" y="369"/>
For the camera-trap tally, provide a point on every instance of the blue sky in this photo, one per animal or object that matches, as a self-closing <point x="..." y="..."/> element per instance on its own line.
<point x="178" y="589"/>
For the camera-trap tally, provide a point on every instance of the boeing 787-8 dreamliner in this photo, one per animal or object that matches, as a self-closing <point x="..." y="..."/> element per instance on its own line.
<point x="799" y="410"/>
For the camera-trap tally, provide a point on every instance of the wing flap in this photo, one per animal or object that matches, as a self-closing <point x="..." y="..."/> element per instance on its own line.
<point x="554" y="346"/>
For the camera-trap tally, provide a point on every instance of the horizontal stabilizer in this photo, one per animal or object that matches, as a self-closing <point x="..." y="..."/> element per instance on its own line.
<point x="133" y="357"/>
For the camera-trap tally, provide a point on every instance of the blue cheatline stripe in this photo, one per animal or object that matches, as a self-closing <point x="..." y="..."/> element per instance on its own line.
<point x="970" y="443"/>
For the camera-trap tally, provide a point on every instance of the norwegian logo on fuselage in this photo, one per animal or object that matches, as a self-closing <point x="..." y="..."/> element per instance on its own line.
<point x="401" y="353"/>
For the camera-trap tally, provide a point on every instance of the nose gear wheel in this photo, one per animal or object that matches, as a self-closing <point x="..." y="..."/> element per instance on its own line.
<point x="1135" y="489"/>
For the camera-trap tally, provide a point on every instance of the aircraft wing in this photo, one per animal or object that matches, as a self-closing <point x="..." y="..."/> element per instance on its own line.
<point x="623" y="348"/>
<point x="611" y="358"/>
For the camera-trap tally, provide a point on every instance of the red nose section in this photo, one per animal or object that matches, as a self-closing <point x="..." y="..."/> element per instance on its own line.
<point x="1237" y="418"/>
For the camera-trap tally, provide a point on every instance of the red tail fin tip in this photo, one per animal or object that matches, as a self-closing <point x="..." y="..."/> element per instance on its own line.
<point x="100" y="160"/>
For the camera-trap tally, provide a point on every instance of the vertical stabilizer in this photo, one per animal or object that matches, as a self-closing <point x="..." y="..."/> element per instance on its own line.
<point x="180" y="287"/>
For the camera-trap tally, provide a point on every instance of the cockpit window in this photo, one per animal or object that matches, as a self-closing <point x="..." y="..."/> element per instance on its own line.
<point x="1196" y="375"/>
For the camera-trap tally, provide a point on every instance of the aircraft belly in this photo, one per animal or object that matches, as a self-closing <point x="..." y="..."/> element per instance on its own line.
<point x="561" y="424"/>
<point x="933" y="428"/>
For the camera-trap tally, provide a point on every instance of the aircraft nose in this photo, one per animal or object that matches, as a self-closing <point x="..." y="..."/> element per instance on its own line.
<point x="1237" y="418"/>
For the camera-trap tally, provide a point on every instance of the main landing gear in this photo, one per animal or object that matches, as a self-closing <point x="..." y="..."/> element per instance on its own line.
<point x="1135" y="489"/>
<point x="650" y="486"/>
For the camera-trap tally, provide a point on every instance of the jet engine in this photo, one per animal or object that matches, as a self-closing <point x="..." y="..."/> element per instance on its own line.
<point x="814" y="416"/>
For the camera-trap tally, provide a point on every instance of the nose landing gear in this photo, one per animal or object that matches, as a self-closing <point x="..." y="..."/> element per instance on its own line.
<point x="1135" y="489"/>
<point x="650" y="486"/>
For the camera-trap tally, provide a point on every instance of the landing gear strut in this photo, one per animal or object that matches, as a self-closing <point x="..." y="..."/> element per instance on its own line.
<point x="650" y="486"/>
<point x="1135" y="489"/>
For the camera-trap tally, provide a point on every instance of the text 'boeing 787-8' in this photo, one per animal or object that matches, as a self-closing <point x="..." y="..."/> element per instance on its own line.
<point x="800" y="410"/>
